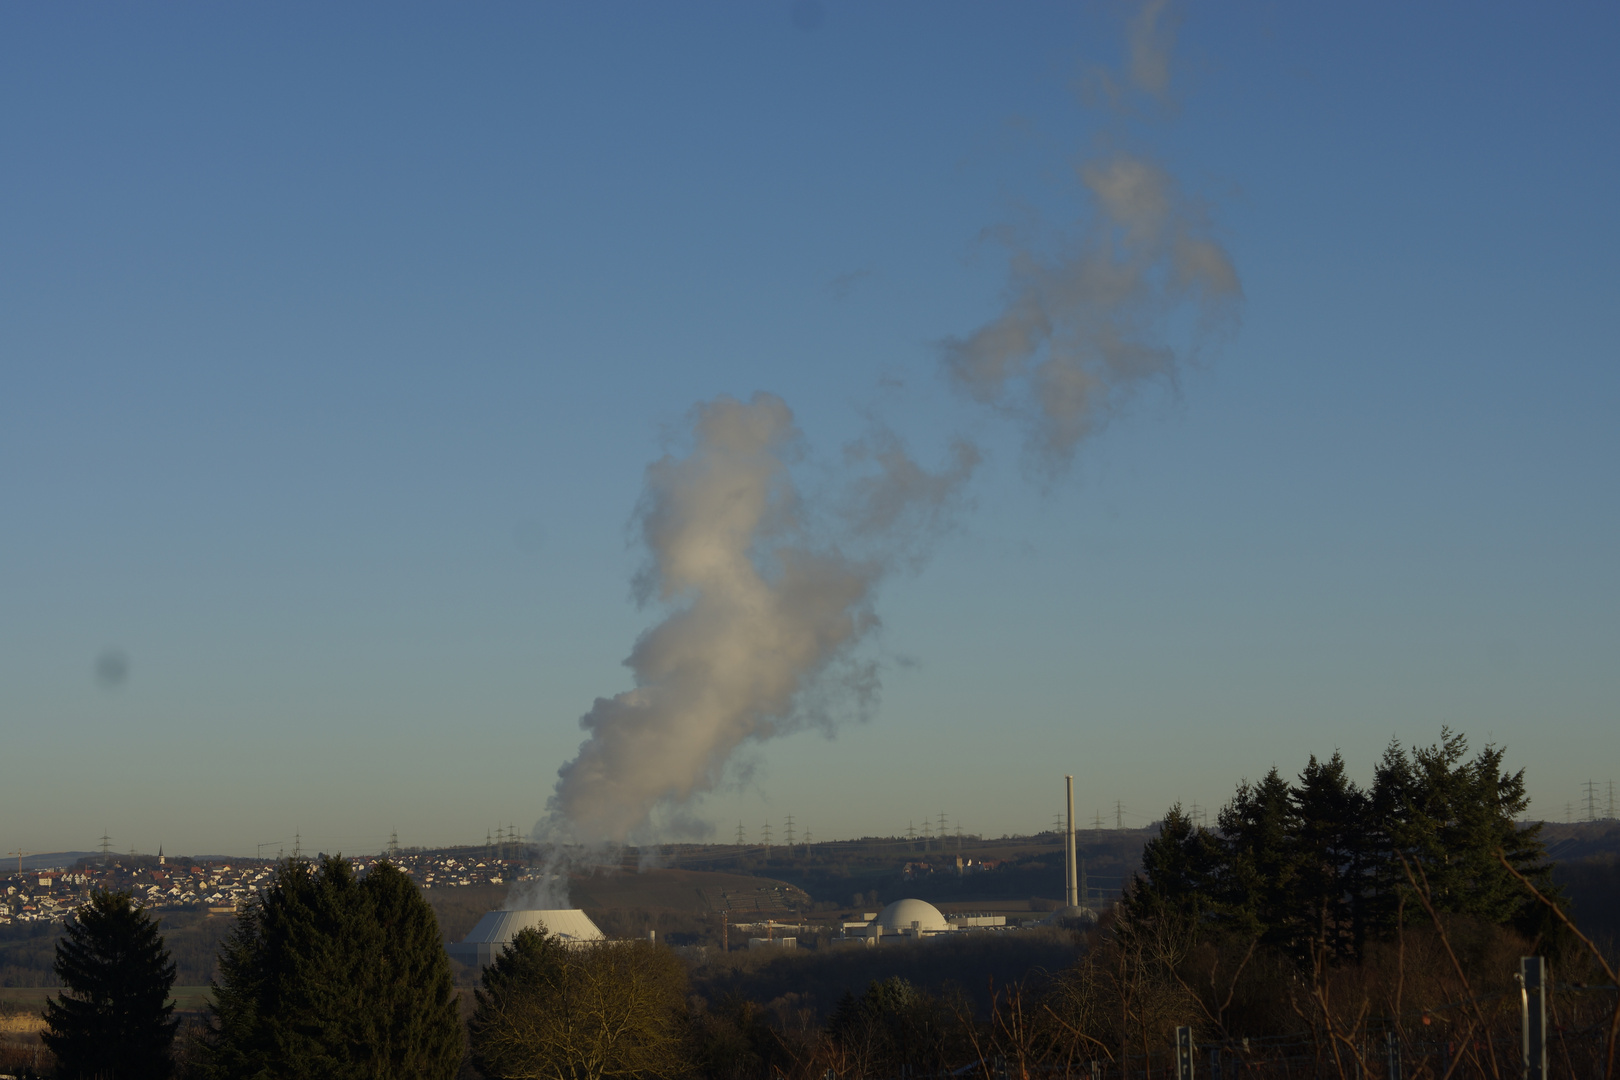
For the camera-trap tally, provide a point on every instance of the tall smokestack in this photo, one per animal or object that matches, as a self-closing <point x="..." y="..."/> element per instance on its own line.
<point x="1071" y="891"/>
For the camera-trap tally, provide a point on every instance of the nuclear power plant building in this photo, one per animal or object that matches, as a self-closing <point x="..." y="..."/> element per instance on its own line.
<point x="915" y="919"/>
<point x="496" y="930"/>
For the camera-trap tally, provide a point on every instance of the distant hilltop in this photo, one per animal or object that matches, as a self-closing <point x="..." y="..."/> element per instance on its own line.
<point x="50" y="860"/>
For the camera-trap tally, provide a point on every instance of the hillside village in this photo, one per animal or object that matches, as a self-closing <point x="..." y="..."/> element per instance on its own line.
<point x="219" y="885"/>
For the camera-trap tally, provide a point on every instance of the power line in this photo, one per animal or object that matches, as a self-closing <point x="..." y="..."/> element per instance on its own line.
<point x="739" y="832"/>
<point x="1591" y="800"/>
<point x="1124" y="855"/>
<point x="790" y="830"/>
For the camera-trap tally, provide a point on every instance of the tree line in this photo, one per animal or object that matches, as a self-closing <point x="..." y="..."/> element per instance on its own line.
<point x="1322" y="910"/>
<point x="1312" y="906"/>
<point x="1322" y="863"/>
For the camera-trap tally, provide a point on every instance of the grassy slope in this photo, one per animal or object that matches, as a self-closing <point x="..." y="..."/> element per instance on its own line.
<point x="973" y="965"/>
<point x="32" y="998"/>
<point x="628" y="901"/>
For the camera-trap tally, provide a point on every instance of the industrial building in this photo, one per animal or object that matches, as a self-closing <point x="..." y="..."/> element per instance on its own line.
<point x="912" y="920"/>
<point x="496" y="930"/>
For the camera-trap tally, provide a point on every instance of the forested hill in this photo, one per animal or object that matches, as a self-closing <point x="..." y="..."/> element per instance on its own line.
<point x="1587" y="866"/>
<point x="1581" y="840"/>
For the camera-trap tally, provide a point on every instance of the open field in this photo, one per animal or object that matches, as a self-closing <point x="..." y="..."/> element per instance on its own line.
<point x="31" y="999"/>
<point x="872" y="871"/>
<point x="687" y="890"/>
<point x="972" y="965"/>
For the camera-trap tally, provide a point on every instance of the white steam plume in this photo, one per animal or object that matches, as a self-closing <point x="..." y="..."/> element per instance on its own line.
<point x="1080" y="331"/>
<point x="769" y="599"/>
<point x="1150" y="37"/>
<point x="762" y="613"/>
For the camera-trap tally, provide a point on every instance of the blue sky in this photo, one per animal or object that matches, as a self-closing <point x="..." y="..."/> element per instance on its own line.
<point x="334" y="343"/>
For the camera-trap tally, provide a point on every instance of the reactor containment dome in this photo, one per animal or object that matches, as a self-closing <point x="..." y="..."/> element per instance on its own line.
<point x="915" y="915"/>
<point x="496" y="930"/>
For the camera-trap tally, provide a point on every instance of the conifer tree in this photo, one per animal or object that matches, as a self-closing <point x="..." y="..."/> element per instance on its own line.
<point x="529" y="968"/>
<point x="114" y="1020"/>
<point x="334" y="975"/>
<point x="1330" y="858"/>
<point x="896" y="1029"/>
<point x="1324" y="864"/>
<point x="611" y="1009"/>
<point x="1181" y="880"/>
<point x="1261" y="865"/>
<point x="1447" y="816"/>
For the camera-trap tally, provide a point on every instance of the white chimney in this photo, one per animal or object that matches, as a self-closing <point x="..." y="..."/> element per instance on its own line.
<point x="1071" y="890"/>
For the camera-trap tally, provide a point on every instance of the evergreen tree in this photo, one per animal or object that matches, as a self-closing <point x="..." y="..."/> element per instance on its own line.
<point x="1330" y="858"/>
<point x="1261" y="864"/>
<point x="1322" y="862"/>
<point x="529" y="967"/>
<point x="1181" y="876"/>
<point x="333" y="975"/>
<point x="612" y="1009"/>
<point x="114" y="1020"/>
<point x="1393" y="780"/>
<point x="895" y="1029"/>
<point x="1447" y="817"/>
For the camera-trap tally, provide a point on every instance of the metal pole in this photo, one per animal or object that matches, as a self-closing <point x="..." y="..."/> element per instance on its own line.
<point x="1533" y="1015"/>
<point x="1184" y="1053"/>
<point x="1070" y="891"/>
